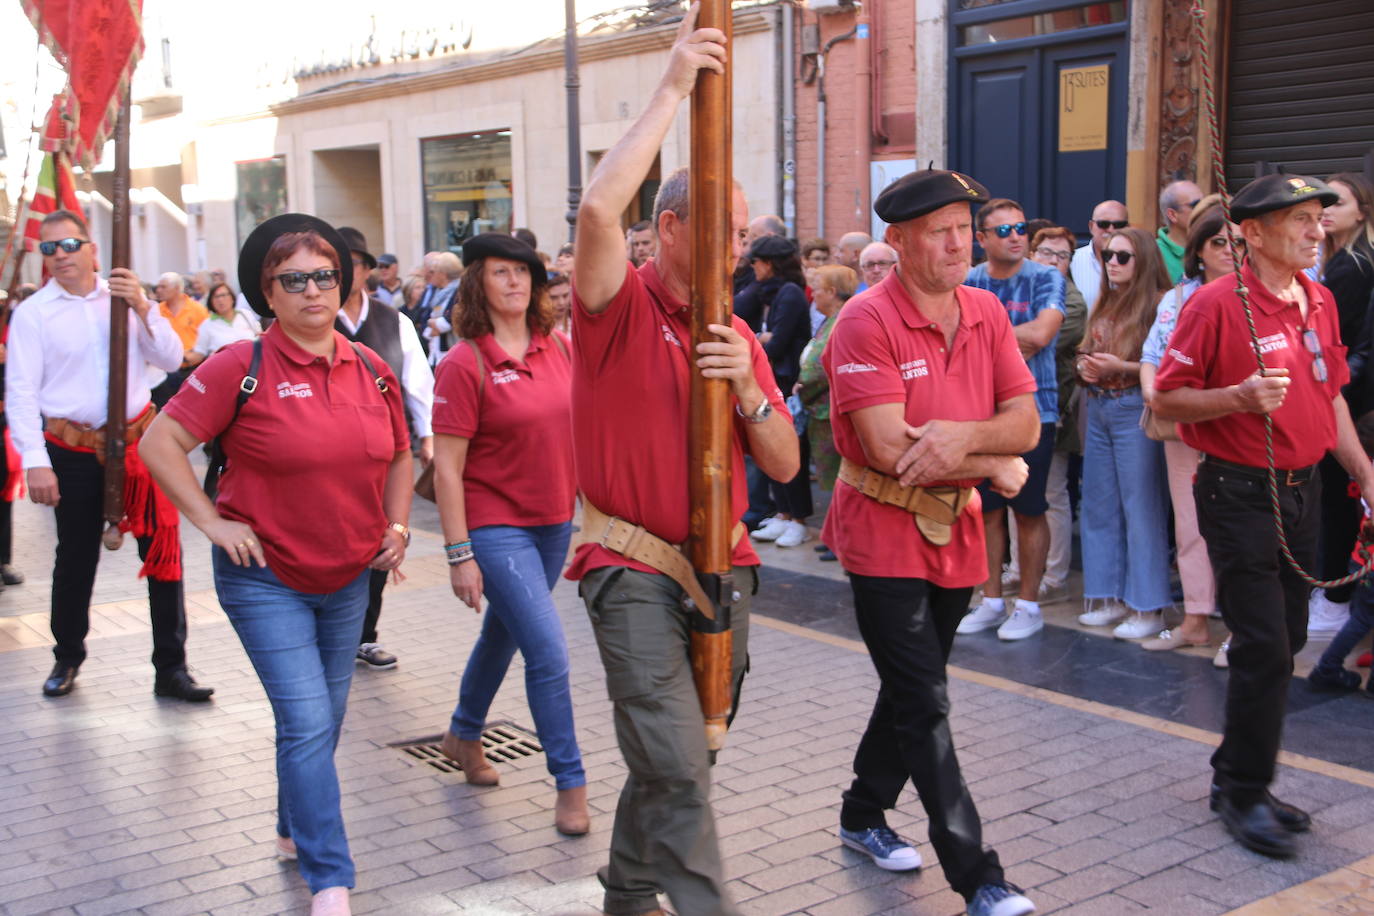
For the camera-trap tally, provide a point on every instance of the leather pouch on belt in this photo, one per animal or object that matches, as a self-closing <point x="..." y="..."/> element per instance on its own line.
<point x="936" y="511"/>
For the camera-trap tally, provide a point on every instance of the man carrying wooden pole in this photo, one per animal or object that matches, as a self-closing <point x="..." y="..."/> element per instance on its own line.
<point x="632" y="383"/>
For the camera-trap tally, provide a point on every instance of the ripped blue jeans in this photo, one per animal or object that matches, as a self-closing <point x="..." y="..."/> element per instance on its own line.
<point x="519" y="568"/>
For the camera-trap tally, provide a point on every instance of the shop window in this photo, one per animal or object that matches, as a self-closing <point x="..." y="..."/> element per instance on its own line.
<point x="467" y="185"/>
<point x="261" y="193"/>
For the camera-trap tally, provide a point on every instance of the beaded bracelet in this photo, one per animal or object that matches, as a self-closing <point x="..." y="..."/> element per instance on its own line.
<point x="455" y="559"/>
<point x="459" y="552"/>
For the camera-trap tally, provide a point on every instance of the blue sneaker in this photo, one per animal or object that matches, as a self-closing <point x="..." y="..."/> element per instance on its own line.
<point x="887" y="850"/>
<point x="999" y="900"/>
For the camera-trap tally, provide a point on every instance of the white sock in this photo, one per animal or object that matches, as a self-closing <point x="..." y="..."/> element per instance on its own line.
<point x="1023" y="605"/>
<point x="995" y="604"/>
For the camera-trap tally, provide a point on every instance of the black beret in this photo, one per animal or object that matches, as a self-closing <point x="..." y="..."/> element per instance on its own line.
<point x="1277" y="192"/>
<point x="500" y="245"/>
<point x="357" y="243"/>
<point x="772" y="246"/>
<point x="255" y="247"/>
<point x="919" y="193"/>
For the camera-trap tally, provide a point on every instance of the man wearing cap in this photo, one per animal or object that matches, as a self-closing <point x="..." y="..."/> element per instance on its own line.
<point x="367" y="320"/>
<point x="631" y="380"/>
<point x="929" y="395"/>
<point x="390" y="289"/>
<point x="57" y="386"/>
<point x="1209" y="380"/>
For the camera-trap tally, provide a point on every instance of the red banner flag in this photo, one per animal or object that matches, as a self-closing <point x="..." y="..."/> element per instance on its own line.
<point x="56" y="190"/>
<point x="98" y="43"/>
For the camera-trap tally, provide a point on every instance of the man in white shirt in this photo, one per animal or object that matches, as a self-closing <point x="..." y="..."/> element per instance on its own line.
<point x="1086" y="266"/>
<point x="392" y="336"/>
<point x="57" y="382"/>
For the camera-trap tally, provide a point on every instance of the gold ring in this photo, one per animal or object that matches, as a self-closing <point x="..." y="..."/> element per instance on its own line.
<point x="240" y="544"/>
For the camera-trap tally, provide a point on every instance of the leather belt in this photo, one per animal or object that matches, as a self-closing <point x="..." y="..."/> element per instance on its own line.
<point x="92" y="438"/>
<point x="935" y="509"/>
<point x="634" y="542"/>
<point x="1293" y="478"/>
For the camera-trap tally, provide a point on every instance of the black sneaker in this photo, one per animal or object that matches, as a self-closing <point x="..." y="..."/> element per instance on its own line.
<point x="1340" y="679"/>
<point x="375" y="656"/>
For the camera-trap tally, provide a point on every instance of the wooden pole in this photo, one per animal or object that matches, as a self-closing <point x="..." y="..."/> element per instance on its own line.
<point x="709" y="439"/>
<point x="117" y="416"/>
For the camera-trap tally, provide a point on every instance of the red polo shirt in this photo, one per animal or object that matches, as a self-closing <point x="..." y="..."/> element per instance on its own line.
<point x="519" y="468"/>
<point x="630" y="406"/>
<point x="308" y="454"/>
<point x="884" y="351"/>
<point x="1211" y="348"/>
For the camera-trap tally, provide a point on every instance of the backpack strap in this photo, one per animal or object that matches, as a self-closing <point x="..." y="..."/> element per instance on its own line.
<point x="481" y="367"/>
<point x="562" y="347"/>
<point x="250" y="381"/>
<point x="371" y="369"/>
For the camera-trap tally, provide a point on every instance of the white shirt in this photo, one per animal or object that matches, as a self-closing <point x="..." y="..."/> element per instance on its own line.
<point x="416" y="378"/>
<point x="58" y="363"/>
<point x="215" y="332"/>
<point x="1086" y="270"/>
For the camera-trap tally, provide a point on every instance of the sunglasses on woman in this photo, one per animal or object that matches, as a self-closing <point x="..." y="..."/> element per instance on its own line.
<point x="70" y="246"/>
<point x="1122" y="257"/>
<point x="296" y="280"/>
<point x="1007" y="229"/>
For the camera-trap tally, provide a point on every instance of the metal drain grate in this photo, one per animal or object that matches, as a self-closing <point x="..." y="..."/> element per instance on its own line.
<point x="502" y="742"/>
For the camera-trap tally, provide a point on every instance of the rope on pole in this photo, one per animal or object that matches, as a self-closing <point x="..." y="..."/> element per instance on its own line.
<point x="1199" y="15"/>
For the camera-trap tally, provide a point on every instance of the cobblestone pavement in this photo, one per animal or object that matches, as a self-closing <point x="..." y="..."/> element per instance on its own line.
<point x="116" y="802"/>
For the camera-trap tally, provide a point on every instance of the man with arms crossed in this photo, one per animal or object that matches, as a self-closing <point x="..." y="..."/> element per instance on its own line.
<point x="630" y="416"/>
<point x="921" y="357"/>
<point x="1209" y="380"/>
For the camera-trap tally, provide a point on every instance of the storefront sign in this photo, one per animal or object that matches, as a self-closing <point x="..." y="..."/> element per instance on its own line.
<point x="1083" y="95"/>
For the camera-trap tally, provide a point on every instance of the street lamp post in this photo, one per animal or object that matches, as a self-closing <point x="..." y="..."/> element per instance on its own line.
<point x="573" y="84"/>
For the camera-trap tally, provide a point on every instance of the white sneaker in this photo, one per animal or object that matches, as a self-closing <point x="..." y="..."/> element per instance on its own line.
<point x="1324" y="616"/>
<point x="1140" y="626"/>
<point x="979" y="619"/>
<point x="1222" y="660"/>
<point x="770" y="530"/>
<point x="1023" y="622"/>
<point x="1104" y="616"/>
<point x="793" y="534"/>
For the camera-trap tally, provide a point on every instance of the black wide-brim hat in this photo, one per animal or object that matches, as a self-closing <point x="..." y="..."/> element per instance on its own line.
<point x="500" y="245"/>
<point x="925" y="192"/>
<point x="357" y="243"/>
<point x="254" y="252"/>
<point x="1278" y="192"/>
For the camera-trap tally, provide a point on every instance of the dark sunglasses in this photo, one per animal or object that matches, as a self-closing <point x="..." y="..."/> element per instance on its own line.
<point x="1220" y="241"/>
<point x="1007" y="229"/>
<point x="1122" y="257"/>
<point x="1111" y="223"/>
<point x="70" y="246"/>
<point x="296" y="281"/>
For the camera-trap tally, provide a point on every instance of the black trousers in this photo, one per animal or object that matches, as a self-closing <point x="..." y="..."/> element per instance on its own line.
<point x="794" y="496"/>
<point x="376" y="581"/>
<point x="908" y="626"/>
<point x="6" y="511"/>
<point x="1264" y="604"/>
<point x="80" y="521"/>
<point x="1341" y="515"/>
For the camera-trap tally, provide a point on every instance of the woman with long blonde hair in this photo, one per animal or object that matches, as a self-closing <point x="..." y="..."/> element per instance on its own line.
<point x="1125" y="569"/>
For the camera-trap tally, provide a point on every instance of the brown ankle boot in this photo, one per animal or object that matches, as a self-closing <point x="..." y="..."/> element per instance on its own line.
<point x="570" y="816"/>
<point x="469" y="756"/>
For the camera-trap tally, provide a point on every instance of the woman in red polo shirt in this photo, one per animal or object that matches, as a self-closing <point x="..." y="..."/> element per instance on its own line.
<point x="504" y="483"/>
<point x="296" y="600"/>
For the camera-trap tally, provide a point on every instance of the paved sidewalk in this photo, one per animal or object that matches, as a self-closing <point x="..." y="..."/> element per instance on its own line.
<point x="117" y="802"/>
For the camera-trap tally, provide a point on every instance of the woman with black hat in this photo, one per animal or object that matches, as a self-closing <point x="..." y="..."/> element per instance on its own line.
<point x="296" y="600"/>
<point x="504" y="483"/>
<point x="786" y="331"/>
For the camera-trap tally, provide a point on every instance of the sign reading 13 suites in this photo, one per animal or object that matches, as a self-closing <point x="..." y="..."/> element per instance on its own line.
<point x="1083" y="108"/>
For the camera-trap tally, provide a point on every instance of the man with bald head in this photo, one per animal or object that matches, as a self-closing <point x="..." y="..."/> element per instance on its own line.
<point x="850" y="248"/>
<point x="1176" y="203"/>
<point x="876" y="262"/>
<point x="1086" y="266"/>
<point x="185" y="314"/>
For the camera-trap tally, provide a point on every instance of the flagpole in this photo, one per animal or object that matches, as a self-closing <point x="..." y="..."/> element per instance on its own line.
<point x="117" y="415"/>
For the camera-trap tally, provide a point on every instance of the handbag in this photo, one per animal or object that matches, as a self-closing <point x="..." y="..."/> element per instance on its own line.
<point x="1157" y="429"/>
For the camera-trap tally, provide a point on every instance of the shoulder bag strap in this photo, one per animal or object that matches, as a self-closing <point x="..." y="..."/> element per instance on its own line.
<point x="371" y="369"/>
<point x="250" y="381"/>
<point x="562" y="347"/>
<point x="481" y="367"/>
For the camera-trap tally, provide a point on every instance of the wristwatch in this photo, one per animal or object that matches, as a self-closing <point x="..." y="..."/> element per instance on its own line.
<point x="400" y="529"/>
<point x="760" y="414"/>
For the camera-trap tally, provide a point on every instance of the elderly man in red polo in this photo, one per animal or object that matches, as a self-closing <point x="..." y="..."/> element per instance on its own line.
<point x="921" y="357"/>
<point x="1209" y="379"/>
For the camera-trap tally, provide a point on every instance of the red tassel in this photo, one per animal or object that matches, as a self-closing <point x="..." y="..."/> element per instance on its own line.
<point x="14" y="489"/>
<point x="148" y="512"/>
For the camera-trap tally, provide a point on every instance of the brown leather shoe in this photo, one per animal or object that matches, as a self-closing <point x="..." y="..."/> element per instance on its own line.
<point x="469" y="756"/>
<point x="570" y="816"/>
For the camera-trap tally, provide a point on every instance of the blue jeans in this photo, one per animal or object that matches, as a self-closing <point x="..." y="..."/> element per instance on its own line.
<point x="1124" y="517"/>
<point x="302" y="646"/>
<point x="519" y="568"/>
<point x="1359" y="624"/>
